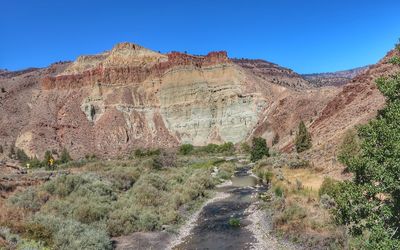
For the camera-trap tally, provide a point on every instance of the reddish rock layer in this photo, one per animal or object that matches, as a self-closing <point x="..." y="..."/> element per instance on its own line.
<point x="125" y="75"/>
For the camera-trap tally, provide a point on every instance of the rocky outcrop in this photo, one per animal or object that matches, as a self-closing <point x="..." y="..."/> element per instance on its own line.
<point x="126" y="64"/>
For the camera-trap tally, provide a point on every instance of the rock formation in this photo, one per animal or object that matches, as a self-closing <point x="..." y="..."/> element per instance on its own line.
<point x="131" y="97"/>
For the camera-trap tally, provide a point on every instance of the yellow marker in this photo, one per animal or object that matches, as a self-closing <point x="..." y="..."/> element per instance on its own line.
<point x="51" y="161"/>
<point x="28" y="165"/>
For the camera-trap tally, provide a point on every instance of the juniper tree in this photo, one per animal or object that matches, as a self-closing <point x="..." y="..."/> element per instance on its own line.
<point x="259" y="149"/>
<point x="303" y="138"/>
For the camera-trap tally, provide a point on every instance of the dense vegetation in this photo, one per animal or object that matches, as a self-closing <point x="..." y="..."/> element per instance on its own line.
<point x="370" y="204"/>
<point x="103" y="199"/>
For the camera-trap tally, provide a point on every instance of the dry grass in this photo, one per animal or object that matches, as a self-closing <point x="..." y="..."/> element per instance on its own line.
<point x="296" y="209"/>
<point x="310" y="179"/>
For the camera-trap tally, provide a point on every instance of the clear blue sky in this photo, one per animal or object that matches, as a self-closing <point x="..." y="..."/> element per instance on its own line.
<point x="307" y="36"/>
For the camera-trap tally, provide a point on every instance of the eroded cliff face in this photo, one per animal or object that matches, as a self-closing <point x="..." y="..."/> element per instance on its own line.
<point x="131" y="97"/>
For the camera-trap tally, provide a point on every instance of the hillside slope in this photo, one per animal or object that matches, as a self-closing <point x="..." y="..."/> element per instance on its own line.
<point x="338" y="78"/>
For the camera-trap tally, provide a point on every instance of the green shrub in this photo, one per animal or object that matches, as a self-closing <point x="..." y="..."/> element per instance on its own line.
<point x="70" y="234"/>
<point x="327" y="202"/>
<point x="38" y="232"/>
<point x="265" y="175"/>
<point x="303" y="138"/>
<point x="278" y="191"/>
<point x="122" y="178"/>
<point x="1" y="149"/>
<point x="226" y="170"/>
<point x="35" y="163"/>
<point x="329" y="186"/>
<point x="259" y="149"/>
<point x="186" y="149"/>
<point x="87" y="200"/>
<point x="234" y="222"/>
<point x="291" y="213"/>
<point x="211" y="148"/>
<point x="65" y="184"/>
<point x="350" y="147"/>
<point x="155" y="198"/>
<point x="31" y="199"/>
<point x="298" y="163"/>
<point x="31" y="245"/>
<point x="227" y="147"/>
<point x="146" y="152"/>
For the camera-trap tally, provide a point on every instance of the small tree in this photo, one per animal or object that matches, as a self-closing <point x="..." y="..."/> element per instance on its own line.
<point x="258" y="149"/>
<point x="303" y="138"/>
<point x="65" y="157"/>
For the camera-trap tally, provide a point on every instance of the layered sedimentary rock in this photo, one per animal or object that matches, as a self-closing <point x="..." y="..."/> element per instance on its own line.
<point x="131" y="97"/>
